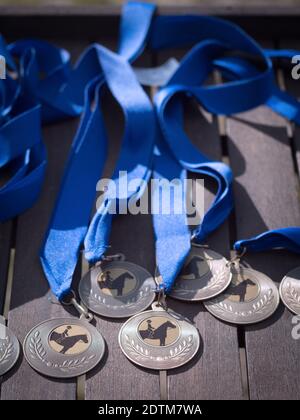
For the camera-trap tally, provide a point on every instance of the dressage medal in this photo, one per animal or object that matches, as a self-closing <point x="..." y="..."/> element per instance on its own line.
<point x="159" y="339"/>
<point x="116" y="288"/>
<point x="9" y="348"/>
<point x="251" y="297"/>
<point x="204" y="275"/>
<point x="67" y="347"/>
<point x="290" y="290"/>
<point x="64" y="347"/>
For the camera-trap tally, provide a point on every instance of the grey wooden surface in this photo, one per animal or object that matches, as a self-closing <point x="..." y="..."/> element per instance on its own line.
<point x="258" y="362"/>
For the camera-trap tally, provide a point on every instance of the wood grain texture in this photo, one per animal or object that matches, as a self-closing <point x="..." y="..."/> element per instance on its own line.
<point x="117" y="377"/>
<point x="222" y="7"/>
<point x="87" y="21"/>
<point x="30" y="302"/>
<point x="5" y="245"/>
<point x="293" y="87"/>
<point x="215" y="372"/>
<point x="266" y="196"/>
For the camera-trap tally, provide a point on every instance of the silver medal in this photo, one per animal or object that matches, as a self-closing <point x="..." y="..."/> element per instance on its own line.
<point x="251" y="297"/>
<point x="64" y="347"/>
<point x="290" y="290"/>
<point x="117" y="289"/>
<point x="159" y="339"/>
<point x="205" y="274"/>
<point x="9" y="348"/>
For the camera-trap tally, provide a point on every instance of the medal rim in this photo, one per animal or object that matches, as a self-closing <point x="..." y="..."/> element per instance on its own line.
<point x="99" y="357"/>
<point x="285" y="278"/>
<point x="17" y="352"/>
<point x="197" y="299"/>
<point x="277" y="297"/>
<point x="117" y="316"/>
<point x="199" y="341"/>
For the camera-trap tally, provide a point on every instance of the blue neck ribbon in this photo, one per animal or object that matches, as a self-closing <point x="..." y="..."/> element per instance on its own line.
<point x="45" y="87"/>
<point x="70" y="221"/>
<point x="284" y="238"/>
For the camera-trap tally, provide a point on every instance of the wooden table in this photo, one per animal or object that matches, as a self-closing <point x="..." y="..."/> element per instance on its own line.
<point x="251" y="362"/>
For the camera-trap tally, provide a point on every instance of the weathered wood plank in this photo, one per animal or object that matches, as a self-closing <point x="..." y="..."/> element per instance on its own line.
<point x="30" y="302"/>
<point x="218" y="363"/>
<point x="293" y="86"/>
<point x="266" y="197"/>
<point x="5" y="245"/>
<point x="83" y="21"/>
<point x="5" y="248"/>
<point x="118" y="378"/>
<point x="228" y="7"/>
<point x="215" y="374"/>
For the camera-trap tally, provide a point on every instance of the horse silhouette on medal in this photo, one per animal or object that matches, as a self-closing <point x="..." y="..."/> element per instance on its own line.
<point x="192" y="268"/>
<point x="107" y="282"/>
<point x="160" y="333"/>
<point x="66" y="341"/>
<point x="241" y="289"/>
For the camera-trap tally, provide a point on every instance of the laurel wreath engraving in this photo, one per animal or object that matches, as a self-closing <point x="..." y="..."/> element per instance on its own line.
<point x="38" y="351"/>
<point x="292" y="295"/>
<point x="216" y="282"/>
<point x="6" y="349"/>
<point x="259" y="307"/>
<point x="98" y="299"/>
<point x="141" y="354"/>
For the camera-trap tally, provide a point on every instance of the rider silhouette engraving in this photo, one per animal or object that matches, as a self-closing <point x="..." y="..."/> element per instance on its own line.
<point x="69" y="343"/>
<point x="66" y="332"/>
<point x="160" y="333"/>
<point x="106" y="281"/>
<point x="196" y="267"/>
<point x="241" y="290"/>
<point x="150" y="329"/>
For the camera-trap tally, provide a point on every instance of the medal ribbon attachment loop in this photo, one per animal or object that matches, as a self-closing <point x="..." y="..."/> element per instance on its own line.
<point x="71" y="300"/>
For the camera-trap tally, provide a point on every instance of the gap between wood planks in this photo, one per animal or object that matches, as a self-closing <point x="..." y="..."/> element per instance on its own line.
<point x="222" y="127"/>
<point x="283" y="83"/>
<point x="80" y="382"/>
<point x="8" y="278"/>
<point x="281" y="79"/>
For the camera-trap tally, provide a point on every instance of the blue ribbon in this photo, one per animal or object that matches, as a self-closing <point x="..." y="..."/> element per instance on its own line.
<point x="248" y="87"/>
<point x="70" y="219"/>
<point x="173" y="238"/>
<point x="217" y="44"/>
<point x="34" y="93"/>
<point x="284" y="238"/>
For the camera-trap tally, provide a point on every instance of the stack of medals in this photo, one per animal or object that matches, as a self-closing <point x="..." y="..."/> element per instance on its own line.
<point x="115" y="288"/>
<point x="120" y="289"/>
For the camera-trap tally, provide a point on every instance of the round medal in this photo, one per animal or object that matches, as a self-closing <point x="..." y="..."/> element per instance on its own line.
<point x="159" y="339"/>
<point x="290" y="290"/>
<point x="205" y="274"/>
<point x="251" y="297"/>
<point x="117" y="289"/>
<point x="64" y="347"/>
<point x="9" y="349"/>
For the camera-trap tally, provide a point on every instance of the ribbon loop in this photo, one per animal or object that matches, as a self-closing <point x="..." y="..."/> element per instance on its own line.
<point x="283" y="238"/>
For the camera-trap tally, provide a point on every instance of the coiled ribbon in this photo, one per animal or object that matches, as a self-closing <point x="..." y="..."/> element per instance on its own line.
<point x="59" y="91"/>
